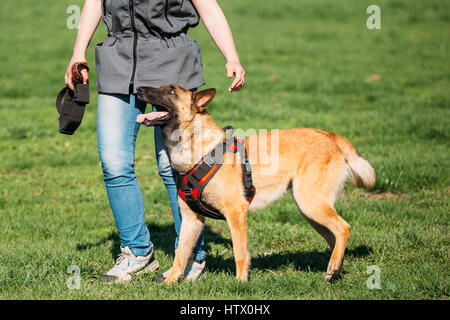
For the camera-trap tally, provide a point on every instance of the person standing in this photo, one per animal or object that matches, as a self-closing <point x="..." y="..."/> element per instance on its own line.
<point x="147" y="44"/>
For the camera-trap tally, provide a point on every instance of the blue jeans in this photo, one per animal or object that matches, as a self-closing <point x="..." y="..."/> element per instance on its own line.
<point x="117" y="130"/>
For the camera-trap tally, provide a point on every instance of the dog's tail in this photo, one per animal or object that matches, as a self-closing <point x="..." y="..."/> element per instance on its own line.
<point x="361" y="173"/>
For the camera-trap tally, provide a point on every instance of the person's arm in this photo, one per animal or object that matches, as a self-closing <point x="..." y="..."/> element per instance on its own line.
<point x="90" y="17"/>
<point x="217" y="26"/>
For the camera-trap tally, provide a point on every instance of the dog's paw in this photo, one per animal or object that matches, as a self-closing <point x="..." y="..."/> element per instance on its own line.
<point x="161" y="280"/>
<point x="334" y="271"/>
<point x="170" y="281"/>
<point x="333" y="276"/>
<point x="243" y="278"/>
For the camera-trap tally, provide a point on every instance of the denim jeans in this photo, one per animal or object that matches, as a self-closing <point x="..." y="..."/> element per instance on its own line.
<point x="117" y="130"/>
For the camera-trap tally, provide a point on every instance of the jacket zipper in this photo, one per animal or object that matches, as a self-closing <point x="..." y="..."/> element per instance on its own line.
<point x="166" y="12"/>
<point x="135" y="39"/>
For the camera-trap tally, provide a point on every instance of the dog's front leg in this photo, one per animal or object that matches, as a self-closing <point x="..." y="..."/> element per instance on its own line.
<point x="191" y="227"/>
<point x="237" y="221"/>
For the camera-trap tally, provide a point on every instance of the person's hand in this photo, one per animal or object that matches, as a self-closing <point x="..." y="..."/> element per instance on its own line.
<point x="68" y="75"/>
<point x="235" y="69"/>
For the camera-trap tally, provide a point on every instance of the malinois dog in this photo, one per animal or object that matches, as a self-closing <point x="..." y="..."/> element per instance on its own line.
<point x="313" y="164"/>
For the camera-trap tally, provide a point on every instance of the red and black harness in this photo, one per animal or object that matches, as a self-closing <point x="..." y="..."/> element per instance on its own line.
<point x="190" y="185"/>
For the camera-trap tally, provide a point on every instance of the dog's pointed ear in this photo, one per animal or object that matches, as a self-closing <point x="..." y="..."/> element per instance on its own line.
<point x="202" y="99"/>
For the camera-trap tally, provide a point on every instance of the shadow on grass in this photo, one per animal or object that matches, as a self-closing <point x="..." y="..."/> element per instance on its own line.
<point x="315" y="261"/>
<point x="113" y="236"/>
<point x="163" y="238"/>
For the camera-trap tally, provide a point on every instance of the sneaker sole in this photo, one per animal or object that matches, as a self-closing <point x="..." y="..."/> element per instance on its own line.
<point x="113" y="279"/>
<point x="154" y="265"/>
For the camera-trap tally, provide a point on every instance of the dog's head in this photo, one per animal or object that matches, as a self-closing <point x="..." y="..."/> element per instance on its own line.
<point x="173" y="103"/>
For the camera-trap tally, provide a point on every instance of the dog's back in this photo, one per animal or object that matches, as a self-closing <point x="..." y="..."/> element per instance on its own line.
<point x="308" y="157"/>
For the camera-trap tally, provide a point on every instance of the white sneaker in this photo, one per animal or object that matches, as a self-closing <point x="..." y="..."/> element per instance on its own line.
<point x="127" y="263"/>
<point x="193" y="270"/>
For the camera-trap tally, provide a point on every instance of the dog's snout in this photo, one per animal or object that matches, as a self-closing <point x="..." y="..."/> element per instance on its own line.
<point x="140" y="90"/>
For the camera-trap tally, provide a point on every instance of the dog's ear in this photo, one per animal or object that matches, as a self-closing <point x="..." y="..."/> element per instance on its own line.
<point x="202" y="99"/>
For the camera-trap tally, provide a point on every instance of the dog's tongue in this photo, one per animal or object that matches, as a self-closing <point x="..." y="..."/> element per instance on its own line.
<point x="150" y="116"/>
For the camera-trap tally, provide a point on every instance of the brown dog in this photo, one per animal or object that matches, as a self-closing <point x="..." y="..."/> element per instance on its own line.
<point x="314" y="164"/>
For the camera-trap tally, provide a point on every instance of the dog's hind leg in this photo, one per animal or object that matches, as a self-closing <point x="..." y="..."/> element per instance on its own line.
<point x="335" y="230"/>
<point x="315" y="198"/>
<point x="325" y="220"/>
<point x="323" y="231"/>
<point x="191" y="227"/>
<point x="237" y="222"/>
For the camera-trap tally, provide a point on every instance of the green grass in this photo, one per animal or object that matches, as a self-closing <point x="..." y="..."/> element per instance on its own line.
<point x="307" y="62"/>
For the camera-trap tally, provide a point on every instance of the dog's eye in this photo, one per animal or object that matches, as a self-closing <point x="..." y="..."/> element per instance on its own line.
<point x="172" y="90"/>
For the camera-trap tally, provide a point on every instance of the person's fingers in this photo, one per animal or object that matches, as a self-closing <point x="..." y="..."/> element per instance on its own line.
<point x="237" y="81"/>
<point x="233" y="85"/>
<point x="85" y="75"/>
<point x="239" y="86"/>
<point x="241" y="81"/>
<point x="70" y="84"/>
<point x="68" y="81"/>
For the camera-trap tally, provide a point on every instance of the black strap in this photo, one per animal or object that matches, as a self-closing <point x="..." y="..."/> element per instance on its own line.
<point x="236" y="145"/>
<point x="71" y="106"/>
<point x="247" y="174"/>
<point x="191" y="193"/>
<point x="246" y="170"/>
<point x="190" y="185"/>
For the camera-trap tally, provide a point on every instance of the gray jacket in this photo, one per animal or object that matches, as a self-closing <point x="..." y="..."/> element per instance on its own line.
<point x="148" y="45"/>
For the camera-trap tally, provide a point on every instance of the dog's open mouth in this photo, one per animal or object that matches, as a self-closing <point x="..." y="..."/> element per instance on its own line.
<point x="159" y="117"/>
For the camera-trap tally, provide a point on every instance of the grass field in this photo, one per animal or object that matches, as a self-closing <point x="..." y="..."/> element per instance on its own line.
<point x="307" y="64"/>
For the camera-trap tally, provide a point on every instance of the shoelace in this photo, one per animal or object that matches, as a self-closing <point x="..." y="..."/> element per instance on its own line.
<point x="121" y="257"/>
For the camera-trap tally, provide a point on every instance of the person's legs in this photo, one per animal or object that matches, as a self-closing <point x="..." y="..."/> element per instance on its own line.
<point x="117" y="131"/>
<point x="169" y="176"/>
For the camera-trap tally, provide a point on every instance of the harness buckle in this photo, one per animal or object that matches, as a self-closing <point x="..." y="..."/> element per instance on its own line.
<point x="247" y="166"/>
<point x="209" y="161"/>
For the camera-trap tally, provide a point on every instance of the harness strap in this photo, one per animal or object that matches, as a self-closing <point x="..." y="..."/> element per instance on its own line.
<point x="238" y="145"/>
<point x="190" y="189"/>
<point x="191" y="185"/>
<point x="247" y="174"/>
